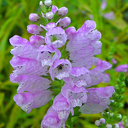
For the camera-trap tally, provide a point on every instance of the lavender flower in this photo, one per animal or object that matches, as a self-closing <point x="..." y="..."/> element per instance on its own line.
<point x="34" y="29"/>
<point x="98" y="100"/>
<point x="56" y="37"/>
<point x="48" y="56"/>
<point x="34" y="17"/>
<point x="62" y="11"/>
<point x="122" y="68"/>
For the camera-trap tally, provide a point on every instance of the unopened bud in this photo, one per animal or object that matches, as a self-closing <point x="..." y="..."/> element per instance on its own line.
<point x="116" y="126"/>
<point x="119" y="116"/>
<point x="102" y="113"/>
<point x="108" y="126"/>
<point x="122" y="84"/>
<point x="122" y="90"/>
<point x="114" y="61"/>
<point x="97" y="123"/>
<point x="49" y="15"/>
<point x="65" y="22"/>
<point x="62" y="11"/>
<point x="54" y="9"/>
<point x="41" y="3"/>
<point x="111" y="114"/>
<point x="107" y="112"/>
<point x="70" y="32"/>
<point x="48" y="3"/>
<point x="34" y="17"/>
<point x="102" y="120"/>
<point x="34" y="29"/>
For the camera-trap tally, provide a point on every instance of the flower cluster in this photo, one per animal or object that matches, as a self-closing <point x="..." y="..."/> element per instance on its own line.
<point x="55" y="52"/>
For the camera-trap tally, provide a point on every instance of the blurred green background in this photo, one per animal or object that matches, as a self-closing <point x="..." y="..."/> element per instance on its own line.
<point x="14" y="20"/>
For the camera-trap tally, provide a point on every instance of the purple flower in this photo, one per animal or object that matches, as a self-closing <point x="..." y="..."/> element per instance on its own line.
<point x="56" y="37"/>
<point x="103" y="5"/>
<point x="121" y="124"/>
<point x="84" y="44"/>
<point x="51" y="119"/>
<point x="34" y="29"/>
<point x="50" y="25"/>
<point x="30" y="83"/>
<point x="114" y="61"/>
<point x="54" y="8"/>
<point x="122" y="68"/>
<point x="79" y="77"/>
<point x="37" y="60"/>
<point x="64" y="22"/>
<point x="62" y="11"/>
<point x="45" y="55"/>
<point x="36" y="41"/>
<point x="60" y="69"/>
<point x="62" y="106"/>
<point x="74" y="95"/>
<point x="34" y="17"/>
<point x="98" y="100"/>
<point x="22" y="48"/>
<point x="70" y="32"/>
<point x="98" y="73"/>
<point x="29" y="100"/>
<point x="27" y="66"/>
<point x="109" y="16"/>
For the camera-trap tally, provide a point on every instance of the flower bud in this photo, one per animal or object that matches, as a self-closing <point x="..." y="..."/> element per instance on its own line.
<point x="48" y="3"/>
<point x="65" y="22"/>
<point x="108" y="126"/>
<point x="122" y="84"/>
<point x="122" y="91"/>
<point x="111" y="114"/>
<point x="122" y="68"/>
<point x="34" y="17"/>
<point x="49" y="15"/>
<point x="109" y="16"/>
<point x="119" y="116"/>
<point x="62" y="11"/>
<point x="34" y="29"/>
<point x="41" y="3"/>
<point x="114" y="61"/>
<point x="54" y="9"/>
<point x="102" y="120"/>
<point x="107" y="112"/>
<point x="120" y="98"/>
<point x="97" y="123"/>
<point x="102" y="113"/>
<point x="120" y="105"/>
<point x="116" y="126"/>
<point x="70" y="32"/>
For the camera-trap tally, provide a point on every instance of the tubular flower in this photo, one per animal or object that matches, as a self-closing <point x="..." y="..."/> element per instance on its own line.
<point x="55" y="53"/>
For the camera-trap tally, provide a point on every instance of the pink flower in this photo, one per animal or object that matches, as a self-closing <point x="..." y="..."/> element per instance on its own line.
<point x="51" y="119"/>
<point x="45" y="55"/>
<point x="98" y="100"/>
<point x="122" y="68"/>
<point x="56" y="37"/>
<point x="60" y="69"/>
<point x="29" y="100"/>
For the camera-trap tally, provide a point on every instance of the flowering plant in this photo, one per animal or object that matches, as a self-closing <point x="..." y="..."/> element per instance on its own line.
<point x="55" y="53"/>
